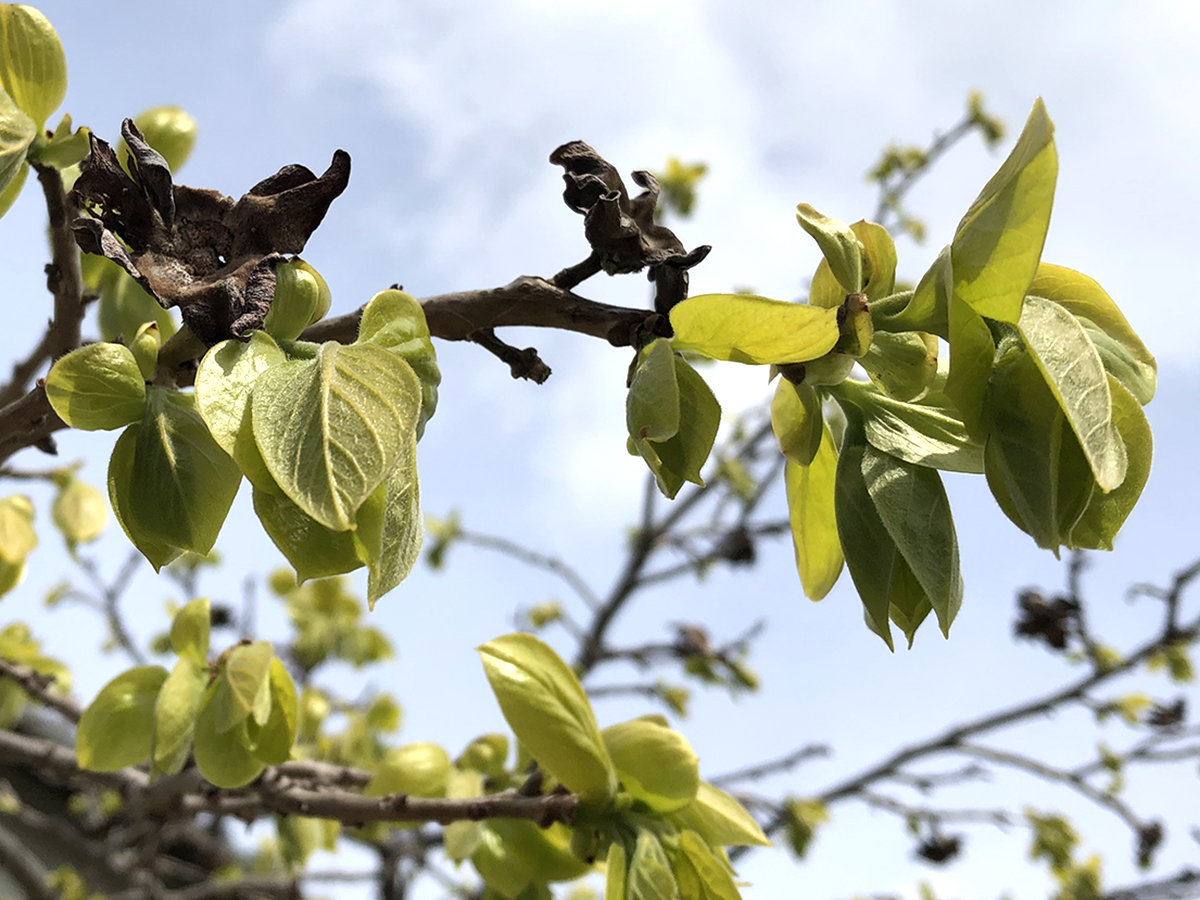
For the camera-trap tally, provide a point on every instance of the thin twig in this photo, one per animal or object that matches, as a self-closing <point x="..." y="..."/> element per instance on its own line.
<point x="537" y="560"/>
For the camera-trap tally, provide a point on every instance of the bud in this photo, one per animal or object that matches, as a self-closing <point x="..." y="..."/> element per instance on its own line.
<point x="301" y="297"/>
<point x="33" y="68"/>
<point x="855" y="327"/>
<point x="833" y="368"/>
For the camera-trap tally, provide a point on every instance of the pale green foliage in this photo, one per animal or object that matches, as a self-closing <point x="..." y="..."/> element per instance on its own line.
<point x="33" y="67"/>
<point x="18" y="645"/>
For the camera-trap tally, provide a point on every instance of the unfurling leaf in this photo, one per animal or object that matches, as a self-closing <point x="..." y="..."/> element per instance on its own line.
<point x="796" y="420"/>
<point x="170" y="131"/>
<point x="223" y="757"/>
<point x="879" y="268"/>
<point x="839" y="245"/>
<point x="719" y="819"/>
<point x="97" y="387"/>
<point x="299" y="300"/>
<point x="548" y="711"/>
<point x="903" y="365"/>
<point x="117" y="728"/>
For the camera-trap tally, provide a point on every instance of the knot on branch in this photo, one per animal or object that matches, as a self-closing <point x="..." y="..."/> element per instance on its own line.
<point x="621" y="230"/>
<point x="1051" y="622"/>
<point x="193" y="248"/>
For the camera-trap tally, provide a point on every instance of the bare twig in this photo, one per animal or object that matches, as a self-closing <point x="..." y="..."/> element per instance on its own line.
<point x="773" y="767"/>
<point x="537" y="560"/>
<point x="41" y="688"/>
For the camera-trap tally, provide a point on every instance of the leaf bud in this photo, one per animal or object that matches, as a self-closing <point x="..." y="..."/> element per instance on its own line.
<point x="297" y="302"/>
<point x="145" y="346"/>
<point x="170" y="131"/>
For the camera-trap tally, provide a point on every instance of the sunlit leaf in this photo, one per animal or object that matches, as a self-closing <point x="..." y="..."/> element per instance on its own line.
<point x="271" y="742"/>
<point x="719" y="819"/>
<point x="117" y="728"/>
<point x="839" y="245"/>
<point x="395" y="321"/>
<point x="403" y="529"/>
<point x="1073" y="370"/>
<point x="749" y="329"/>
<point x="655" y="763"/>
<point x="223" y="757"/>
<point x="17" y="535"/>
<point x="548" y="711"/>
<point x="1086" y="300"/>
<point x="1106" y="513"/>
<point x="97" y="387"/>
<point x="998" y="243"/>
<point x="715" y="880"/>
<point x="33" y="67"/>
<point x="810" y="497"/>
<point x="650" y="876"/>
<point x="190" y="631"/>
<point x="903" y="365"/>
<point x="972" y="353"/>
<point x="175" y="711"/>
<point x="796" y="420"/>
<point x="332" y="428"/>
<point x="313" y="550"/>
<point x="224" y="382"/>
<point x="544" y="852"/>
<point x="247" y="673"/>
<point x="420" y="769"/>
<point x="121" y="475"/>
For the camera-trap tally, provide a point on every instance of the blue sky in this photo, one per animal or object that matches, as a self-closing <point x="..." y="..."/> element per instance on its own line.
<point x="450" y="110"/>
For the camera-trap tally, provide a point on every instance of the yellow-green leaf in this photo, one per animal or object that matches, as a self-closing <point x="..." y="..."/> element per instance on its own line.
<point x="223" y="756"/>
<point x="655" y="763"/>
<point x="97" y="387"/>
<point x="719" y="819"/>
<point x="175" y="711"/>
<point x="271" y="741"/>
<point x="749" y="329"/>
<point x="548" y="711"/>
<point x="998" y="243"/>
<point x="33" y="67"/>
<point x="403" y="529"/>
<point x="1073" y="370"/>
<point x="810" y="498"/>
<point x="839" y="246"/>
<point x="420" y="769"/>
<point x="331" y="429"/>
<point x="796" y="420"/>
<point x="169" y="130"/>
<point x="190" y="631"/>
<point x="117" y="728"/>
<point x="395" y="321"/>
<point x="17" y="535"/>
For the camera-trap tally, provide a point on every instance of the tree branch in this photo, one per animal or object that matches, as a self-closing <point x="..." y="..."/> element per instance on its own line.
<point x="41" y="688"/>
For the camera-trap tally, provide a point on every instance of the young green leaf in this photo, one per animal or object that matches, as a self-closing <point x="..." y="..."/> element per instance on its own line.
<point x="1073" y="370"/>
<point x="544" y="852"/>
<point x="97" y="387"/>
<point x="839" y="246"/>
<point x="869" y="548"/>
<point x="175" y="711"/>
<point x="548" y="711"/>
<point x="902" y="365"/>
<point x="910" y="605"/>
<point x="720" y="820"/>
<point x="650" y="876"/>
<point x="811" y="498"/>
<point x="926" y="433"/>
<point x="1106" y="513"/>
<point x="420" y="769"/>
<point x="503" y="870"/>
<point x="972" y="353"/>
<point x="117" y="728"/>
<point x="395" y="321"/>
<point x="313" y="550"/>
<point x="712" y="874"/>
<point x="223" y="756"/>
<point x="913" y="506"/>
<point x="403" y="529"/>
<point x="331" y="429"/>
<point x="748" y="329"/>
<point x="13" y="169"/>
<point x="121" y="476"/>
<point x="65" y="149"/>
<point x="928" y="307"/>
<point x="224" y="382"/>
<point x="460" y="839"/>
<point x="1034" y="465"/>
<point x="797" y="421"/>
<point x="879" y="268"/>
<point x="190" y="631"/>
<point x="295" y="302"/>
<point x="655" y="763"/>
<point x="998" y="243"/>
<point x="17" y="535"/>
<point x="652" y="406"/>
<point x="33" y="67"/>
<point x="247" y="673"/>
<point x="1087" y="301"/>
<point x="171" y="484"/>
<point x="271" y="742"/>
<point x="616" y="871"/>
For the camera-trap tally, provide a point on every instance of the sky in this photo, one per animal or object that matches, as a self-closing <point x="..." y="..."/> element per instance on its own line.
<point x="450" y="111"/>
